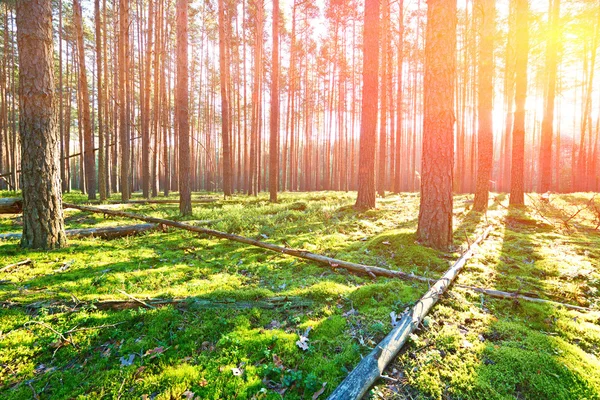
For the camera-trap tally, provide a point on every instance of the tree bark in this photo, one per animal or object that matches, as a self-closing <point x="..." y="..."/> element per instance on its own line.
<point x="43" y="224"/>
<point x="101" y="87"/>
<point x="123" y="98"/>
<point x="435" y="212"/>
<point x="368" y="128"/>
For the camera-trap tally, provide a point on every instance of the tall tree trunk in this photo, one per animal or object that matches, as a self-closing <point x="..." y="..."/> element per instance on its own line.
<point x="124" y="97"/>
<point x="88" y="137"/>
<point x="147" y="89"/>
<point x="398" y="171"/>
<point x="274" y="122"/>
<point x="43" y="224"/>
<point x="368" y="128"/>
<point x="224" y="32"/>
<point x="485" y="137"/>
<point x="385" y="25"/>
<point x="101" y="111"/>
<point x="183" y="123"/>
<point x="548" y="121"/>
<point x="435" y="212"/>
<point x="517" y="196"/>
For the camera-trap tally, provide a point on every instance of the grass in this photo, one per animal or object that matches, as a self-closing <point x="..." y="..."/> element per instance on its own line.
<point x="471" y="347"/>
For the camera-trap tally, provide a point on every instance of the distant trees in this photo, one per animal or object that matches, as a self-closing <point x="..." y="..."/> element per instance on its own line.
<point x="43" y="225"/>
<point x="517" y="183"/>
<point x="435" y="212"/>
<point x="130" y="111"/>
<point x="368" y="125"/>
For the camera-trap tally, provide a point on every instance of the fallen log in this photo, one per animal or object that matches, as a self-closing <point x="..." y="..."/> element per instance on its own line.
<point x="331" y="262"/>
<point x="323" y="260"/>
<point x="15" y="265"/>
<point x="11" y="205"/>
<point x="193" y="303"/>
<point x="109" y="232"/>
<point x="370" y="368"/>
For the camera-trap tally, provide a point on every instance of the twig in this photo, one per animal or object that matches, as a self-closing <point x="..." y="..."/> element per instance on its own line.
<point x="136" y="299"/>
<point x="15" y="265"/>
<point x="45" y="325"/>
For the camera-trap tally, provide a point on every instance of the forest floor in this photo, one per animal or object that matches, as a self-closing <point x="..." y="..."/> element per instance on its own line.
<point x="237" y="331"/>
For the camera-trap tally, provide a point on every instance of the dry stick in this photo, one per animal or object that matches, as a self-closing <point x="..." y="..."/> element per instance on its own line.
<point x="15" y="265"/>
<point x="358" y="382"/>
<point x="330" y="262"/>
<point x="135" y="299"/>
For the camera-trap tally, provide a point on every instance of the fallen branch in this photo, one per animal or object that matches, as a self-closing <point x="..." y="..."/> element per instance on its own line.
<point x="15" y="265"/>
<point x="370" y="368"/>
<point x="109" y="232"/>
<point x="192" y="303"/>
<point x="11" y="205"/>
<point x="331" y="262"/>
<point x="514" y="296"/>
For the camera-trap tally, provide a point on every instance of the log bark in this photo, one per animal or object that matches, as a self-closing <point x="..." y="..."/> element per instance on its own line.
<point x="358" y="382"/>
<point x="11" y="205"/>
<point x="110" y="232"/>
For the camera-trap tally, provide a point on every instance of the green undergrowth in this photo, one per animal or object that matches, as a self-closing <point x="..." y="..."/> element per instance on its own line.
<point x="178" y="351"/>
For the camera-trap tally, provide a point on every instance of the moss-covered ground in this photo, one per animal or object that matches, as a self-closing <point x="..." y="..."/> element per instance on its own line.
<point x="470" y="347"/>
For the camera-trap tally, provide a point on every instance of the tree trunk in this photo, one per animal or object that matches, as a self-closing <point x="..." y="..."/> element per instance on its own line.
<point x="88" y="137"/>
<point x="101" y="111"/>
<point x="368" y="128"/>
<point x="517" y="196"/>
<point x="224" y="32"/>
<point x="43" y="224"/>
<point x="548" y="121"/>
<point x="123" y="97"/>
<point x="274" y="122"/>
<point x="183" y="123"/>
<point x="435" y="212"/>
<point x="485" y="138"/>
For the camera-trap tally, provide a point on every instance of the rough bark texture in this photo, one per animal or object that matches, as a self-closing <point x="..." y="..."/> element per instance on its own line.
<point x="274" y="122"/>
<point x="368" y="125"/>
<point x="43" y="224"/>
<point x="88" y="138"/>
<point x="517" y="181"/>
<point x="435" y="212"/>
<point x="485" y="138"/>
<point x="147" y="90"/>
<point x="101" y="139"/>
<point x="548" y="121"/>
<point x="183" y="122"/>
